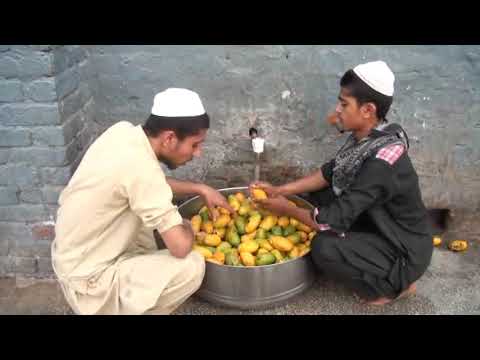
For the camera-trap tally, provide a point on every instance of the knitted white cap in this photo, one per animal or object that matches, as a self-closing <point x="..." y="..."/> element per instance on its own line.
<point x="175" y="102"/>
<point x="377" y="75"/>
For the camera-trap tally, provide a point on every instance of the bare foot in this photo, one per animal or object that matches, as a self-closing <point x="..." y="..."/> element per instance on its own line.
<point x="412" y="289"/>
<point x="383" y="300"/>
<point x="379" y="302"/>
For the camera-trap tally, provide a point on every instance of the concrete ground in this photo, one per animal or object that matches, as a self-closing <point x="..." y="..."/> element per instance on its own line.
<point x="450" y="286"/>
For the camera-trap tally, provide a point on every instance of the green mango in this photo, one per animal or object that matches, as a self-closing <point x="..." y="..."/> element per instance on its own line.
<point x="278" y="255"/>
<point x="205" y="216"/>
<point x="232" y="237"/>
<point x="254" y="213"/>
<point x="289" y="230"/>
<point x="261" y="234"/>
<point x="277" y="230"/>
<point x="244" y="209"/>
<point x="265" y="259"/>
<point x="224" y="246"/>
<point x="233" y="251"/>
<point x="232" y="259"/>
<point x="240" y="223"/>
<point x="212" y="249"/>
<point x="294" y="238"/>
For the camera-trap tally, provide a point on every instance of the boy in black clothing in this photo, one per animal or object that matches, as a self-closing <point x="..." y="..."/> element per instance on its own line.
<point x="373" y="229"/>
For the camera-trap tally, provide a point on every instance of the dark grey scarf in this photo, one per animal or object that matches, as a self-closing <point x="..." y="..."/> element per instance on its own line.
<point x="353" y="153"/>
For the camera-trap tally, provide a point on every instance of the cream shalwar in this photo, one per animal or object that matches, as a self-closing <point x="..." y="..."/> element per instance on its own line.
<point x="104" y="253"/>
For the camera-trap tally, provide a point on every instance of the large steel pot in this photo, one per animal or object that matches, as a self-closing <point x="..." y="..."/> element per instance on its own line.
<point x="252" y="287"/>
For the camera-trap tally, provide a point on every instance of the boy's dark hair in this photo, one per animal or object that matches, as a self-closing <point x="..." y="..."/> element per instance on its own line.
<point x="182" y="126"/>
<point x="364" y="94"/>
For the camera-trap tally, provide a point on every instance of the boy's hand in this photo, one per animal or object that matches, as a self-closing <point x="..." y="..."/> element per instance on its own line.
<point x="272" y="191"/>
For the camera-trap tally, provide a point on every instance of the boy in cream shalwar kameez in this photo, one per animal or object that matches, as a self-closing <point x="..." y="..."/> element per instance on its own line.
<point x="104" y="254"/>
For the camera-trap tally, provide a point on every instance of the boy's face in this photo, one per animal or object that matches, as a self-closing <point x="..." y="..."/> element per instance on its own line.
<point x="352" y="116"/>
<point x="178" y="152"/>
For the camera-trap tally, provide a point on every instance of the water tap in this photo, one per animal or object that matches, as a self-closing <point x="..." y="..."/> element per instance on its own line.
<point x="257" y="145"/>
<point x="257" y="142"/>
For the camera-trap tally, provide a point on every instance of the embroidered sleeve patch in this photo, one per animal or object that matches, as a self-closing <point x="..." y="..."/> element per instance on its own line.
<point x="391" y="153"/>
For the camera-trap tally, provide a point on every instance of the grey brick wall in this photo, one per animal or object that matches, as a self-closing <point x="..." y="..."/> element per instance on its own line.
<point x="437" y="100"/>
<point x="46" y="123"/>
<point x="55" y="100"/>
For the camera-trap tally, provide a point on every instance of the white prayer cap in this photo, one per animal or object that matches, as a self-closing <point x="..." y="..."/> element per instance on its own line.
<point x="377" y="75"/>
<point x="175" y="102"/>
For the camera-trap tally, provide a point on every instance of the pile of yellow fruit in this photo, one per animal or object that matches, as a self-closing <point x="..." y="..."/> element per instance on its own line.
<point x="251" y="236"/>
<point x="455" y="245"/>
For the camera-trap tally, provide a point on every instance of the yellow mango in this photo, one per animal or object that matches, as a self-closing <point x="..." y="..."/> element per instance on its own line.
<point x="223" y="211"/>
<point x="304" y="251"/>
<point x="264" y="213"/>
<point x="215" y="213"/>
<point x="254" y="213"/>
<point x="244" y="209"/>
<point x="278" y="255"/>
<point x="264" y="244"/>
<point x="196" y="223"/>
<point x="269" y="222"/>
<point x="212" y="249"/>
<point x="254" y="210"/>
<point x="303" y="227"/>
<point x="280" y="243"/>
<point x="241" y="197"/>
<point x="247" y="258"/>
<point x="249" y="246"/>
<point x="207" y="227"/>
<point x="221" y="232"/>
<point x="303" y="235"/>
<point x="458" y="245"/>
<point x="231" y="223"/>
<point x="219" y="256"/>
<point x="294" y="222"/>
<point x="283" y="221"/>
<point x="248" y="237"/>
<point x="222" y="221"/>
<point x="253" y="223"/>
<point x="294" y="253"/>
<point x="212" y="240"/>
<point x="233" y="202"/>
<point x="215" y="261"/>
<point x="202" y="250"/>
<point x="308" y="243"/>
<point x="200" y="237"/>
<point x="262" y="251"/>
<point x="258" y="194"/>
<point x="311" y="235"/>
<point x="292" y="203"/>
<point x="437" y="240"/>
<point x="294" y="238"/>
